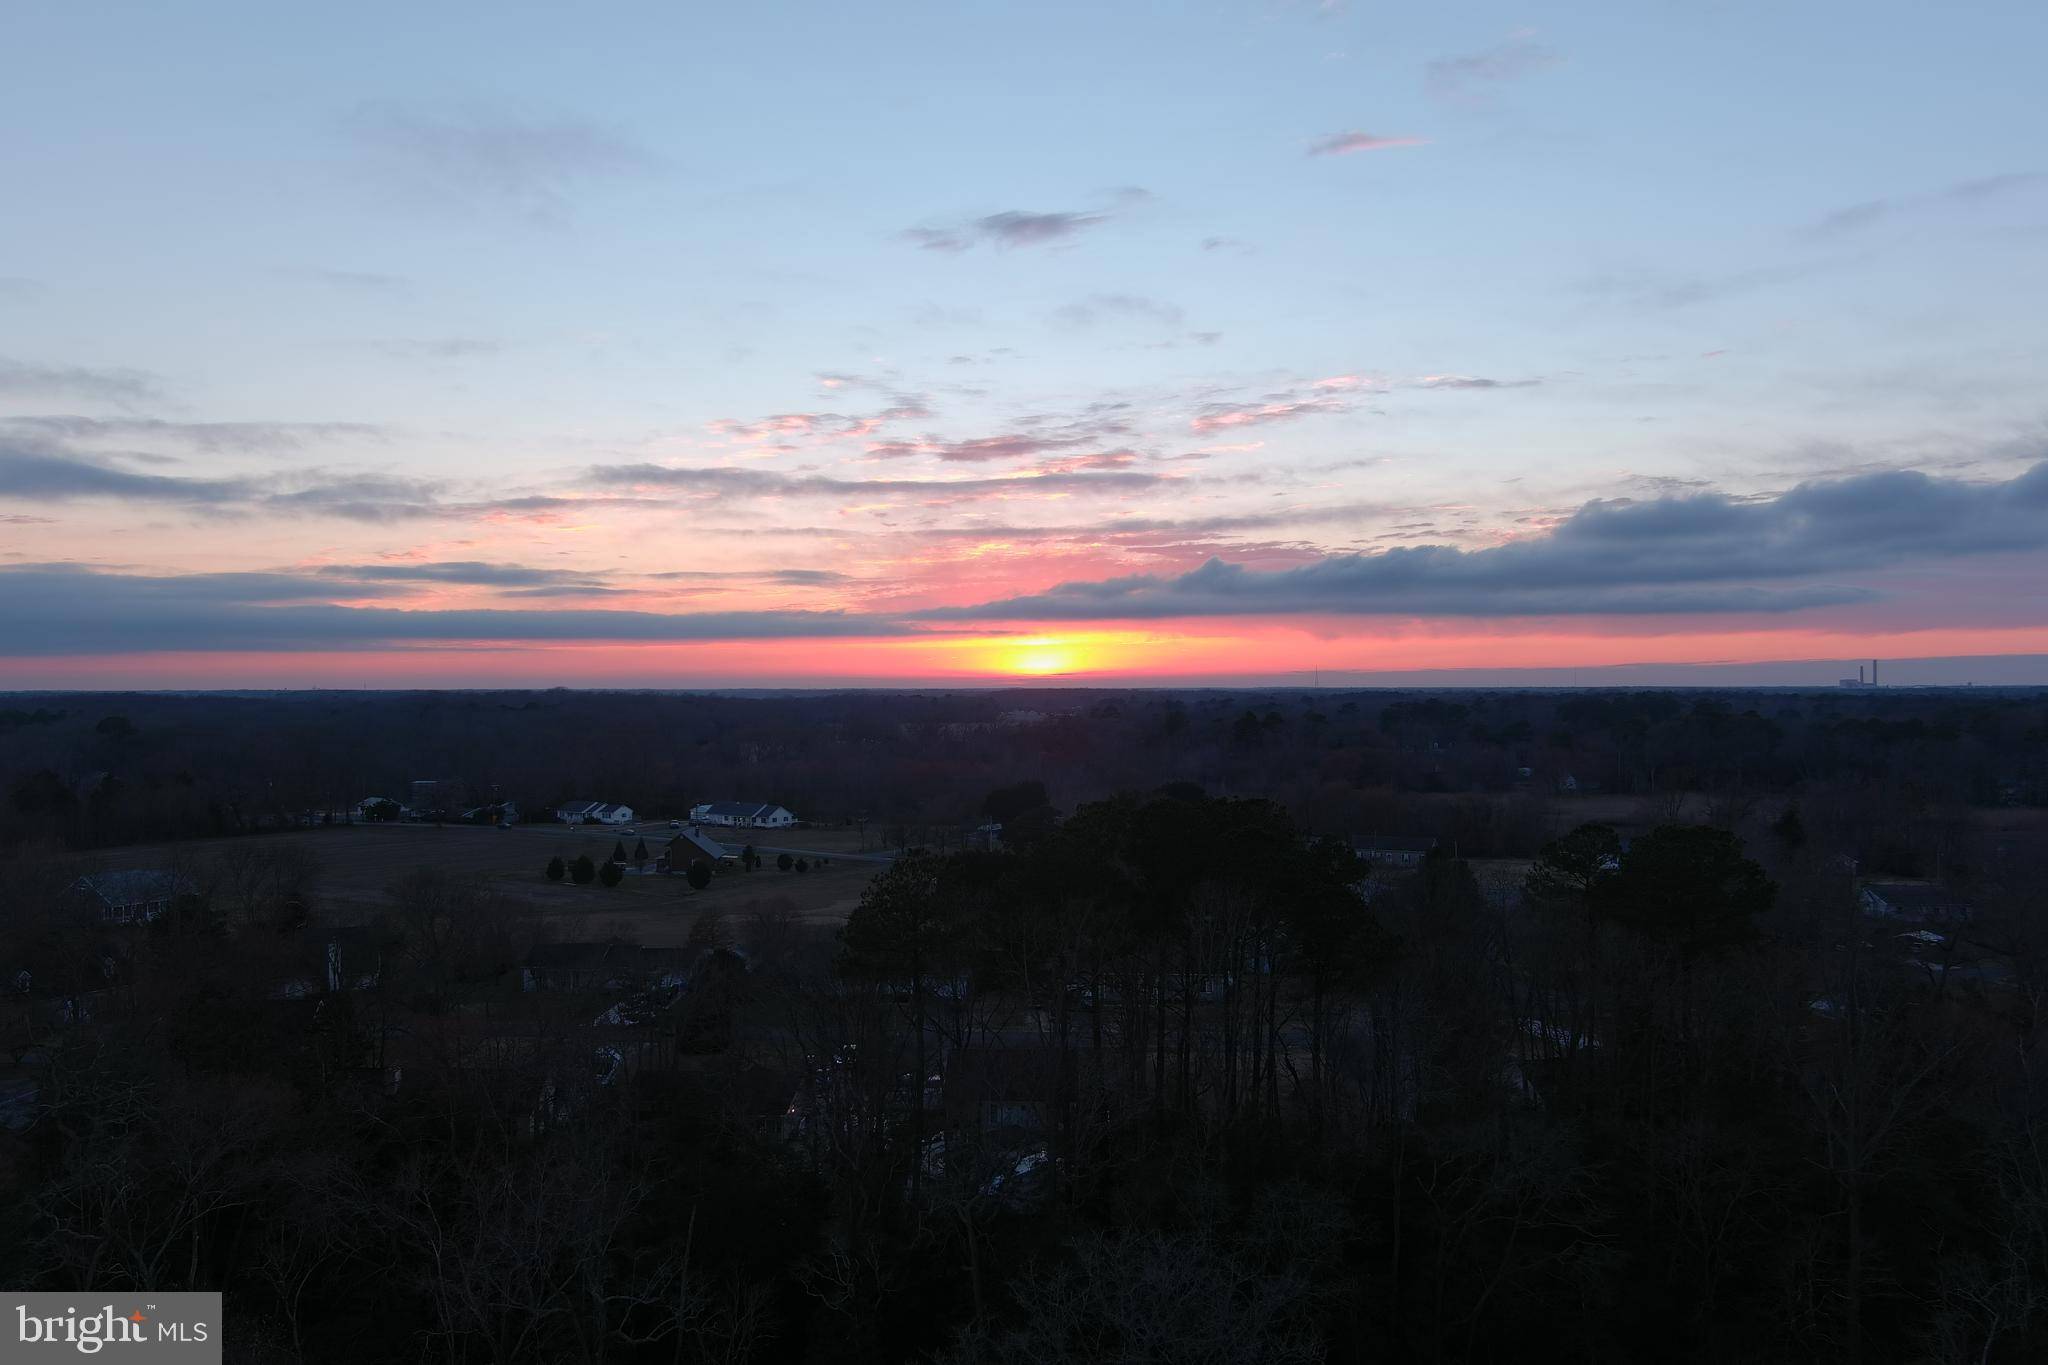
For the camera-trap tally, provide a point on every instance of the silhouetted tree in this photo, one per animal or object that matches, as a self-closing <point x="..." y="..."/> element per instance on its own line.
<point x="1569" y="869"/>
<point x="583" y="871"/>
<point x="556" y="870"/>
<point x="1690" y="886"/>
<point x="1023" y="810"/>
<point x="699" y="874"/>
<point x="901" y="929"/>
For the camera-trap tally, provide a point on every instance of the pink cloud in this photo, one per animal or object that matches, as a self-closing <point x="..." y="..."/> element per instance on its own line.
<point x="819" y="426"/>
<point x="1224" y="418"/>
<point x="1342" y="144"/>
<point x="1101" y="459"/>
<point x="781" y="424"/>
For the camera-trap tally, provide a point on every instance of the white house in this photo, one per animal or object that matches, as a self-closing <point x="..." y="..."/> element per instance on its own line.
<point x="1392" y="850"/>
<point x="594" y="813"/>
<point x="742" y="815"/>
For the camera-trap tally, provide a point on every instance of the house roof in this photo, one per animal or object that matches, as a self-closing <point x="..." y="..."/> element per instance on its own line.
<point x="1917" y="897"/>
<point x="591" y="807"/>
<point x="134" y="888"/>
<point x="698" y="845"/>
<point x="741" y="810"/>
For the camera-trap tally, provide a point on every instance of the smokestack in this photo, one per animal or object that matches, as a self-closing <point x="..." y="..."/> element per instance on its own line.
<point x="1859" y="673"/>
<point x="1873" y="672"/>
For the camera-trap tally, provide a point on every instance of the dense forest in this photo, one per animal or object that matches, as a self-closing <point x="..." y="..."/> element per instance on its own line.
<point x="1178" y="1073"/>
<point x="1470" y="768"/>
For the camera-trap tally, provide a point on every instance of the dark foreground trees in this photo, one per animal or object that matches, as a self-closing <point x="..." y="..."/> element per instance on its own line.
<point x="1178" y="1083"/>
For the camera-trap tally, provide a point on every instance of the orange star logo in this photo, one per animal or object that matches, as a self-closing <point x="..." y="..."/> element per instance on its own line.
<point x="136" y="1316"/>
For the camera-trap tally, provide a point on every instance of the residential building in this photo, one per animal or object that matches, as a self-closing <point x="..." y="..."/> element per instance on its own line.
<point x="742" y="815"/>
<point x="1001" y="1088"/>
<point x="688" y="846"/>
<point x="431" y="793"/>
<point x="1920" y="902"/>
<point x="1392" y="850"/>
<point x="132" y="897"/>
<point x="594" y="813"/>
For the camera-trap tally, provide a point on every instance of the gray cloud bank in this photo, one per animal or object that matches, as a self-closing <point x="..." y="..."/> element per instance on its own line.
<point x="1679" y="555"/>
<point x="118" y="387"/>
<point x="59" y="609"/>
<point x="1015" y="227"/>
<point x="1816" y="545"/>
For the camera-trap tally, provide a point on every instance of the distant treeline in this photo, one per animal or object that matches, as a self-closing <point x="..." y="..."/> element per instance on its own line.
<point x="91" y="771"/>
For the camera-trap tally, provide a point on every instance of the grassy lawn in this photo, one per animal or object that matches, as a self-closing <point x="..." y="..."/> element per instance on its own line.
<point x="355" y="867"/>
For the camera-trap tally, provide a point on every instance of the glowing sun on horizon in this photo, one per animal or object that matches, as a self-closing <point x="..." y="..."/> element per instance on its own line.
<point x="1039" y="658"/>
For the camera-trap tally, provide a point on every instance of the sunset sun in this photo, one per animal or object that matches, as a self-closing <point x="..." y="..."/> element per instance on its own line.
<point x="1040" y="658"/>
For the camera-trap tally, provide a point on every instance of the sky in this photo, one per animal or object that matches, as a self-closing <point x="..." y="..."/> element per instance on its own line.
<point x="1250" y="342"/>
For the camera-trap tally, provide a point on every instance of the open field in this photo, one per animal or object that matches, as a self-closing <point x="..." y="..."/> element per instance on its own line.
<point x="354" y="867"/>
